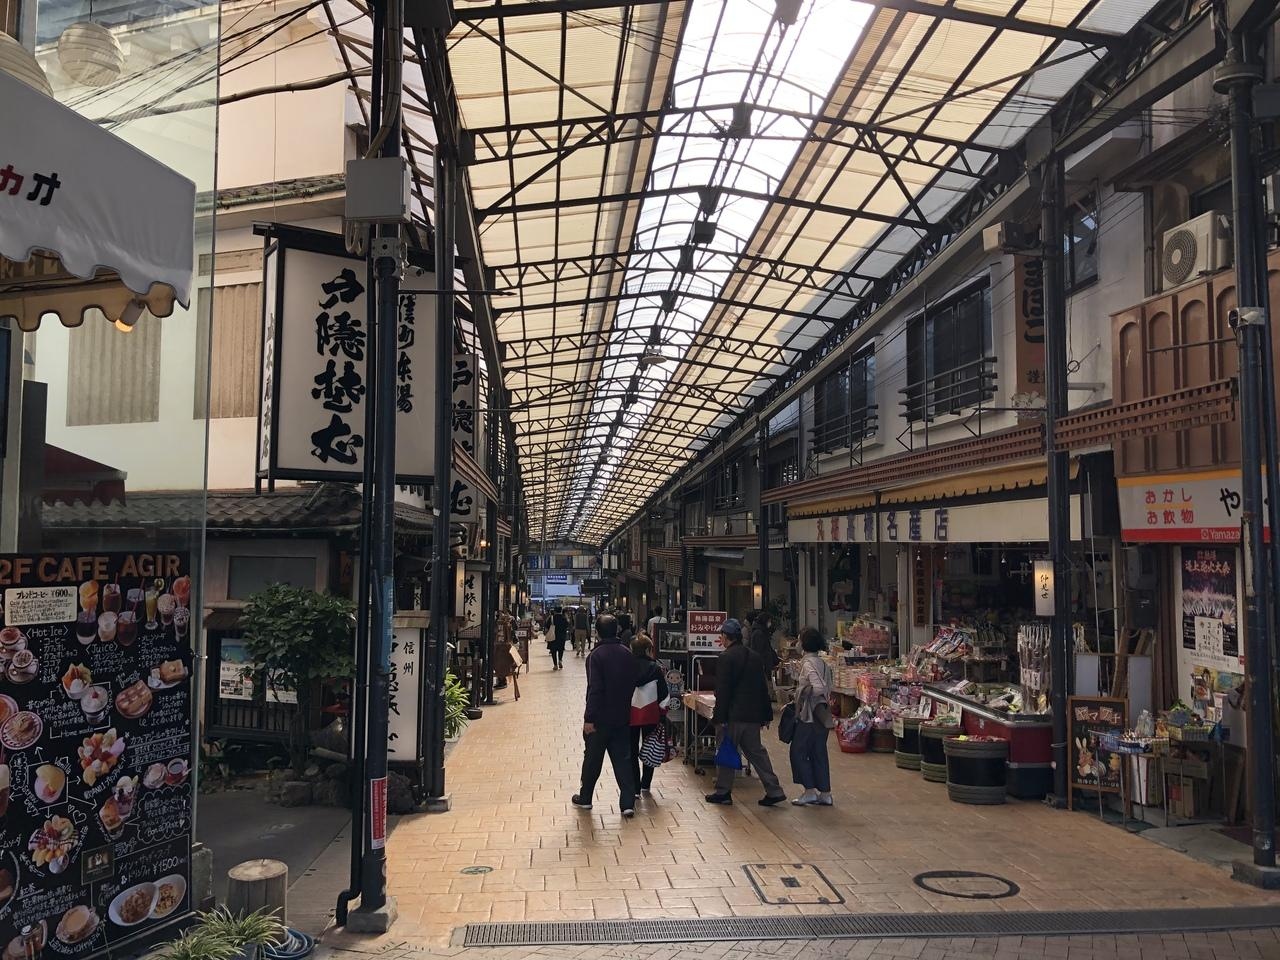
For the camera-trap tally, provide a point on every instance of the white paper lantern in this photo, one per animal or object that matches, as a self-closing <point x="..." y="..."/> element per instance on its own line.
<point x="90" y="54"/>
<point x="17" y="61"/>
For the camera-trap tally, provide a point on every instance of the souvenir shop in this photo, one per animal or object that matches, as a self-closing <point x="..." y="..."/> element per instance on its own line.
<point x="937" y="593"/>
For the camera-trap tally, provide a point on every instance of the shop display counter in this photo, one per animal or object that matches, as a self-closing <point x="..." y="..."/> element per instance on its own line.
<point x="1030" y="737"/>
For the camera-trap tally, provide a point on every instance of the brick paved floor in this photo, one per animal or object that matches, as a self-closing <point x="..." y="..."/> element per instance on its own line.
<point x="512" y="775"/>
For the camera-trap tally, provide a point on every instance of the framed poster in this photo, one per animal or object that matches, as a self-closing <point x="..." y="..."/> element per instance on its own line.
<point x="96" y="730"/>
<point x="1091" y="768"/>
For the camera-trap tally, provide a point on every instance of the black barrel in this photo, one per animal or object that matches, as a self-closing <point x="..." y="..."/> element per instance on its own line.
<point x="933" y="758"/>
<point x="976" y="770"/>
<point x="906" y="751"/>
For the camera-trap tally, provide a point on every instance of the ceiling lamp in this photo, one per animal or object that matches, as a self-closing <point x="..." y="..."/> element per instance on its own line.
<point x="652" y="357"/>
<point x="17" y="61"/>
<point x="90" y="54"/>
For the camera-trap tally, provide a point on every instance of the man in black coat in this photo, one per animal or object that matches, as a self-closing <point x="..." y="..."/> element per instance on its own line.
<point x="743" y="709"/>
<point x="606" y="721"/>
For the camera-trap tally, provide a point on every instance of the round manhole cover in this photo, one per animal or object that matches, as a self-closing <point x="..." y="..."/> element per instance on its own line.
<point x="476" y="871"/>
<point x="966" y="884"/>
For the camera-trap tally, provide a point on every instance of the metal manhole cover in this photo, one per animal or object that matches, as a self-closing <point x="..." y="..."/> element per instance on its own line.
<point x="791" y="883"/>
<point x="476" y="871"/>
<point x="966" y="884"/>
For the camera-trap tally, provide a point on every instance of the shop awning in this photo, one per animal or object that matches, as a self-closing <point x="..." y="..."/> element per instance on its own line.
<point x="832" y="505"/>
<point x="730" y="541"/>
<point x="976" y="483"/>
<point x="86" y="220"/>
<point x="71" y="478"/>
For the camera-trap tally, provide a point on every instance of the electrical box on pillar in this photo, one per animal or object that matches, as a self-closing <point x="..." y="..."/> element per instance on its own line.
<point x="377" y="190"/>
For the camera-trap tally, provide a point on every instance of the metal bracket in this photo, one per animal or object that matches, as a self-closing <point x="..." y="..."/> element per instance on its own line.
<point x="389" y="248"/>
<point x="1247" y="317"/>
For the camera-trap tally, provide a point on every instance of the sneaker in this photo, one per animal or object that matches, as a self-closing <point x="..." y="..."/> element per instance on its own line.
<point x="581" y="804"/>
<point x="824" y="800"/>
<point x="629" y="813"/>
<point x="772" y="801"/>
<point x="723" y="798"/>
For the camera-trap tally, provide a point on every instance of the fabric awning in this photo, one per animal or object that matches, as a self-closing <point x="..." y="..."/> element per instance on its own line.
<point x="1001" y="479"/>
<point x="832" y="505"/>
<point x="86" y="220"/>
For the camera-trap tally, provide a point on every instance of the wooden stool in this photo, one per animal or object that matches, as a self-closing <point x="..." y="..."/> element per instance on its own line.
<point x="255" y="884"/>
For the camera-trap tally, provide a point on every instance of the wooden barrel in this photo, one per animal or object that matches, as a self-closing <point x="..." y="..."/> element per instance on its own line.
<point x="882" y="741"/>
<point x="933" y="758"/>
<point x="977" y="770"/>
<point x="906" y="752"/>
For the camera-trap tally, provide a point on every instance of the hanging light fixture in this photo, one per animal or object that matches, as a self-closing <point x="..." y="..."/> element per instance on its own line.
<point x="17" y="61"/>
<point x="90" y="53"/>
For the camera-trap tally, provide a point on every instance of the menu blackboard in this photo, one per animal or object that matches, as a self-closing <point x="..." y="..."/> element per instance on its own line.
<point x="95" y="747"/>
<point x="1092" y="768"/>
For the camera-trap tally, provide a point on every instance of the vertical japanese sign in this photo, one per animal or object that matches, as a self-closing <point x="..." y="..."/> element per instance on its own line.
<point x="315" y="363"/>
<point x="469" y="587"/>
<point x="95" y="723"/>
<point x="404" y="700"/>
<point x="1028" y="310"/>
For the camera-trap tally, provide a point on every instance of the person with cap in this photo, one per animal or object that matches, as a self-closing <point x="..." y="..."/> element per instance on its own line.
<point x="606" y="722"/>
<point x="743" y="708"/>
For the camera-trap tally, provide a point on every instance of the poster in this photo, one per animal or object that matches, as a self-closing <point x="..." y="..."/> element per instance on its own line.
<point x="235" y="672"/>
<point x="95" y="750"/>
<point x="703" y="629"/>
<point x="1210" y="607"/>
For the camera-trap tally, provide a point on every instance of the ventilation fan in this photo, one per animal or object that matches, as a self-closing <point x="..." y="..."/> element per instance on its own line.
<point x="1194" y="248"/>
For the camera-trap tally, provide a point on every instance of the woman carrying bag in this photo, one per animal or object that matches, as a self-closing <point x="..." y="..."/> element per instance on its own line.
<point x="648" y="708"/>
<point x="810" y="766"/>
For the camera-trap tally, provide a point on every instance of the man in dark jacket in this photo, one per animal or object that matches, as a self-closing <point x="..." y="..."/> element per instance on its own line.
<point x="606" y="726"/>
<point x="761" y="641"/>
<point x="743" y="709"/>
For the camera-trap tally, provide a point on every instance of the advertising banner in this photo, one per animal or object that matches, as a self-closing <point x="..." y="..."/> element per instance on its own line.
<point x="95" y="726"/>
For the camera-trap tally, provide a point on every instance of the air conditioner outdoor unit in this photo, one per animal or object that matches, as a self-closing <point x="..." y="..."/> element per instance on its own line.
<point x="1197" y="247"/>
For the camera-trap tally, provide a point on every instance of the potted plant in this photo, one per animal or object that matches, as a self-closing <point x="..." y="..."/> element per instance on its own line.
<point x="456" y="703"/>
<point x="299" y="637"/>
<point x="222" y="935"/>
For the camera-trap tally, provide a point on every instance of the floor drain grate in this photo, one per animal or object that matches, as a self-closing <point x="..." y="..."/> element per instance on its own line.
<point x="852" y="926"/>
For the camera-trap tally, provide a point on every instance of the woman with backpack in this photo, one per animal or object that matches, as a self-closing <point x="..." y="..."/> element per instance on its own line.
<point x="810" y="765"/>
<point x="648" y="706"/>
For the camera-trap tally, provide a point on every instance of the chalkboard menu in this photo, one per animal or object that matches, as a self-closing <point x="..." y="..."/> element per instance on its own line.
<point x="1092" y="768"/>
<point x="95" y="747"/>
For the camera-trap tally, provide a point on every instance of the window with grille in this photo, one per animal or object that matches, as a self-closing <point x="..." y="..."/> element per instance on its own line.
<point x="112" y="376"/>
<point x="844" y="405"/>
<point x="950" y="366"/>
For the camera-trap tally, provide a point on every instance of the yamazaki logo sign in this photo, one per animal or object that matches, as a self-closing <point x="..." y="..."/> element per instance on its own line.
<point x="76" y="569"/>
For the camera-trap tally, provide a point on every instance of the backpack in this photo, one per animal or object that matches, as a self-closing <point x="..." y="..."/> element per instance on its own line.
<point x="646" y="711"/>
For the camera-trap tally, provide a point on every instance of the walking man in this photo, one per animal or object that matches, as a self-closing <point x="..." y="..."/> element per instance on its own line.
<point x="742" y="710"/>
<point x="606" y="726"/>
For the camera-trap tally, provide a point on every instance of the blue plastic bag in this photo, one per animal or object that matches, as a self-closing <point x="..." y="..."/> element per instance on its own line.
<point x="727" y="755"/>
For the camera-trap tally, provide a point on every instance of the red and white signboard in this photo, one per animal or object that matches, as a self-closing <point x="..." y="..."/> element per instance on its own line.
<point x="1199" y="507"/>
<point x="704" y="628"/>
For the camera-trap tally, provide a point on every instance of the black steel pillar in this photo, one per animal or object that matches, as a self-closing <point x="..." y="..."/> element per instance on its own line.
<point x="442" y="481"/>
<point x="1052" y="203"/>
<point x="1237" y="76"/>
<point x="762" y="519"/>
<point x="490" y="618"/>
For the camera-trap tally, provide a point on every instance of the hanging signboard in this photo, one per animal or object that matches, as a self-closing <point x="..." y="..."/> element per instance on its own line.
<point x="1028" y="308"/>
<point x="470" y="590"/>
<point x="314" y="366"/>
<point x="1044" y="584"/>
<point x="96" y="728"/>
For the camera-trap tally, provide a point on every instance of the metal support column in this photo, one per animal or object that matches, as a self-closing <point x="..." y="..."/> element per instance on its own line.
<point x="1237" y="76"/>
<point x="1059" y="490"/>
<point x="386" y="250"/>
<point x="490" y="618"/>
<point x="762" y="519"/>
<point x="442" y="481"/>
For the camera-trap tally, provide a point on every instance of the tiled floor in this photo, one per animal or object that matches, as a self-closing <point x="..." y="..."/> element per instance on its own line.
<point x="512" y="775"/>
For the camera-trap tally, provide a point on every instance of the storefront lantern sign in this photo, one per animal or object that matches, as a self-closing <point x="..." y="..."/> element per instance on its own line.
<point x="314" y="366"/>
<point x="1044" y="586"/>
